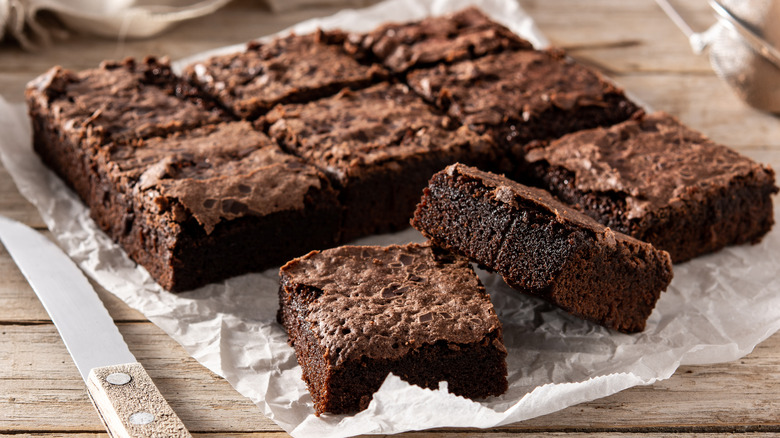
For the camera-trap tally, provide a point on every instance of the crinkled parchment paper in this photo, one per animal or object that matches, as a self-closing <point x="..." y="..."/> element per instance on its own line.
<point x="717" y="308"/>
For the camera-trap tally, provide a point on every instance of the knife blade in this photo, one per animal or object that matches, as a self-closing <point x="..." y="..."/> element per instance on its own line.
<point x="124" y="395"/>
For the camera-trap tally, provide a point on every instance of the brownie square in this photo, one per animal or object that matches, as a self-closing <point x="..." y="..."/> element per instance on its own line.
<point x="543" y="247"/>
<point x="379" y="145"/>
<point x="295" y="68"/>
<point x="355" y="314"/>
<point x="120" y="101"/>
<point x="660" y="182"/>
<point x="465" y="34"/>
<point x="524" y="95"/>
<point x="116" y="102"/>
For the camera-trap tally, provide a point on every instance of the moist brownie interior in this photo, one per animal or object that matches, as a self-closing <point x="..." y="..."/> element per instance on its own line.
<point x="544" y="248"/>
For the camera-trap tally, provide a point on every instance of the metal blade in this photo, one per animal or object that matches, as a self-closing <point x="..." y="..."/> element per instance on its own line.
<point x="83" y="322"/>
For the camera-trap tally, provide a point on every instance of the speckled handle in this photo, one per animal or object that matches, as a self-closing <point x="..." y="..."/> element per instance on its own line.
<point x="130" y="405"/>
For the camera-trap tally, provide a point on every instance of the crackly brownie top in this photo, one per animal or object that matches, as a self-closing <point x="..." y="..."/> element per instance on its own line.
<point x="517" y="196"/>
<point x="215" y="173"/>
<point x="464" y="34"/>
<point x="652" y="162"/>
<point x="382" y="302"/>
<point x="283" y="70"/>
<point x="512" y="86"/>
<point x="359" y="129"/>
<point x="121" y="101"/>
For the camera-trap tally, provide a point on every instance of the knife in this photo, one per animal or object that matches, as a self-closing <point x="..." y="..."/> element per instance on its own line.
<point x="120" y="389"/>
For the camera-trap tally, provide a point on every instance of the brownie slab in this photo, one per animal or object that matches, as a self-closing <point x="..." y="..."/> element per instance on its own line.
<point x="380" y="145"/>
<point x="119" y="101"/>
<point x="356" y="313"/>
<point x="544" y="248"/>
<point x="116" y="102"/>
<point x="465" y="34"/>
<point x="660" y="182"/>
<point x="295" y="68"/>
<point x="524" y="95"/>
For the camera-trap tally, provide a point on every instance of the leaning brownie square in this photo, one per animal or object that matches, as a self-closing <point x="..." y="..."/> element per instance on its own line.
<point x="202" y="205"/>
<point x="380" y="146"/>
<point x="354" y="314"/>
<point x="465" y="34"/>
<point x="660" y="182"/>
<point x="294" y="68"/>
<point x="543" y="247"/>
<point x="523" y="95"/>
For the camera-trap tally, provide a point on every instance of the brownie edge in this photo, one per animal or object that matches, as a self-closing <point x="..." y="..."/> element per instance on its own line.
<point x="354" y="314"/>
<point x="543" y="247"/>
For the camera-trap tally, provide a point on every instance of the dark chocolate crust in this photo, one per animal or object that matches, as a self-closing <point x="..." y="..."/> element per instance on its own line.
<point x="544" y="248"/>
<point x="519" y="96"/>
<point x="151" y="195"/>
<point x="121" y="101"/>
<point x="660" y="182"/>
<point x="380" y="145"/>
<point x="465" y="34"/>
<point x="355" y="314"/>
<point x="295" y="68"/>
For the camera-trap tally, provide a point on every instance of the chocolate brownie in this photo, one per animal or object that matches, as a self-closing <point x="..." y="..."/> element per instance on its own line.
<point x="117" y="102"/>
<point x="524" y="95"/>
<point x="660" y="182"/>
<point x="543" y="247"/>
<point x="295" y="68"/>
<point x="356" y="313"/>
<point x="380" y="145"/>
<point x="462" y="35"/>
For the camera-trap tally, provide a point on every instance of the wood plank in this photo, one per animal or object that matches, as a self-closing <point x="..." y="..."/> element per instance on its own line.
<point x="637" y="37"/>
<point x="20" y="304"/>
<point x="14" y="205"/>
<point x="733" y="396"/>
<point x="43" y="391"/>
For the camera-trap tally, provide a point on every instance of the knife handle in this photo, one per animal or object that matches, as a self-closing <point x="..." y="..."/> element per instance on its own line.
<point x="130" y="405"/>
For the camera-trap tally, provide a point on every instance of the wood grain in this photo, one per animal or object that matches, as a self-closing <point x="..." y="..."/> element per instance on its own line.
<point x="42" y="394"/>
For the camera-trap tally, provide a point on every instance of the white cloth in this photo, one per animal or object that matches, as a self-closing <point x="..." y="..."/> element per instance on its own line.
<point x="111" y="18"/>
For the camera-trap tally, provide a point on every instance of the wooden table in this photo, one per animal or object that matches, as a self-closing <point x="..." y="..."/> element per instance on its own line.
<point x="42" y="394"/>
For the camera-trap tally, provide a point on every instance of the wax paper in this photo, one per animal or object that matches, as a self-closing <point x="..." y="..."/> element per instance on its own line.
<point x="717" y="308"/>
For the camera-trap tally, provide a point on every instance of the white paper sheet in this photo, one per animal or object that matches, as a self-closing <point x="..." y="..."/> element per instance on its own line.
<point x="717" y="308"/>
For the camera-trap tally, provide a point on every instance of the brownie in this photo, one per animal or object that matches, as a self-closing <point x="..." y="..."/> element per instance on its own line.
<point x="380" y="145"/>
<point x="295" y="68"/>
<point x="660" y="182"/>
<point x="354" y="314"/>
<point x="465" y="34"/>
<point x="118" y="101"/>
<point x="543" y="247"/>
<point x="519" y="96"/>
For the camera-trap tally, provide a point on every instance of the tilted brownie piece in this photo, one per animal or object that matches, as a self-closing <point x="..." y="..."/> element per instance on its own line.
<point x="356" y="313"/>
<point x="660" y="182"/>
<point x="525" y="95"/>
<point x="544" y="248"/>
<point x="295" y="68"/>
<point x="380" y="145"/>
<point x="465" y="34"/>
